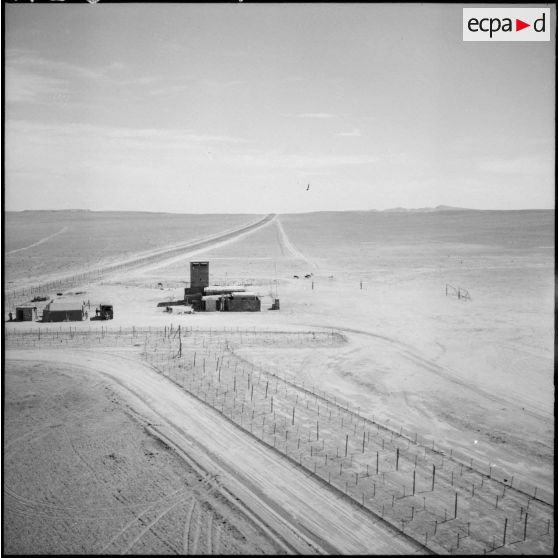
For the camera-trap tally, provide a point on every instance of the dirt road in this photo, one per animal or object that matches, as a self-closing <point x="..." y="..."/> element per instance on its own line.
<point x="300" y="513"/>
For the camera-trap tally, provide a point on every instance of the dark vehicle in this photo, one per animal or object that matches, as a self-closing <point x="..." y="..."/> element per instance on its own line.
<point x="105" y="312"/>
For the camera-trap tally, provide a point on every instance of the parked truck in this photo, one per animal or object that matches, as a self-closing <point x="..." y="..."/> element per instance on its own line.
<point x="105" y="311"/>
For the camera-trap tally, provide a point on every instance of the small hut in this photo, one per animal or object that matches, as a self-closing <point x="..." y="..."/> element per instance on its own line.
<point x="26" y="313"/>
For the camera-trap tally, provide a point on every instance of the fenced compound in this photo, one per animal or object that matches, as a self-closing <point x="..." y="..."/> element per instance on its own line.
<point x="459" y="292"/>
<point x="445" y="501"/>
<point x="16" y="296"/>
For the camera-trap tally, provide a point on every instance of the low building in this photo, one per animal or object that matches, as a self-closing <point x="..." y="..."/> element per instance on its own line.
<point x="241" y="301"/>
<point x="64" y="311"/>
<point x="26" y="313"/>
<point x="217" y="290"/>
<point x="212" y="303"/>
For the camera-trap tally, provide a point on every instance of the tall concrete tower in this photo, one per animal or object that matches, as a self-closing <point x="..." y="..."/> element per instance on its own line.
<point x="199" y="274"/>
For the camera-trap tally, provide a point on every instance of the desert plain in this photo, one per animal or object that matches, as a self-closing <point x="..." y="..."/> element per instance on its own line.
<point x="401" y="400"/>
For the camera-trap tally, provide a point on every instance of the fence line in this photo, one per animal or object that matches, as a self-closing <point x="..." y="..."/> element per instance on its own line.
<point x="443" y="500"/>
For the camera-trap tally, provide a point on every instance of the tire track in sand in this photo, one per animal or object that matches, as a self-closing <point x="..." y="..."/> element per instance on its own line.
<point x="180" y="492"/>
<point x="41" y="241"/>
<point x="148" y="527"/>
<point x="187" y="528"/>
<point x="410" y="353"/>
<point x="210" y="534"/>
<point x="207" y="244"/>
<point x="290" y="247"/>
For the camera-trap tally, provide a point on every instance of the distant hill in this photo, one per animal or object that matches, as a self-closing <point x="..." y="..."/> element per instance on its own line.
<point x="425" y="209"/>
<point x="53" y="211"/>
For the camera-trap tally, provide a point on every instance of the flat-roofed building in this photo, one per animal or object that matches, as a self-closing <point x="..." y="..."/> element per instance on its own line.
<point x="64" y="311"/>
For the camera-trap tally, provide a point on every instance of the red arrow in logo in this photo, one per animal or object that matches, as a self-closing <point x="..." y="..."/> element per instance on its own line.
<point x="519" y="25"/>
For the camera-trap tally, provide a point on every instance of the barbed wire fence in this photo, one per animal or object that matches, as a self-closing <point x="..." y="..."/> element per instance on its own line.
<point x="441" y="498"/>
<point x="14" y="297"/>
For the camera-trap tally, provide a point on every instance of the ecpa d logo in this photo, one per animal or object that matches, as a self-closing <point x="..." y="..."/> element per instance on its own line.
<point x="506" y="24"/>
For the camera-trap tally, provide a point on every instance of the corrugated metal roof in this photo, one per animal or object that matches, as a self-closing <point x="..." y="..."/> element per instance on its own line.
<point x="228" y="289"/>
<point x="64" y="306"/>
<point x="245" y="294"/>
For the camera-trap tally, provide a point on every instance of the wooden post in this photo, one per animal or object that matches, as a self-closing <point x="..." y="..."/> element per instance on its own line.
<point x="397" y="459"/>
<point x="346" y="443"/>
<point x="363" y="440"/>
<point x="377" y="460"/>
<point x="180" y="343"/>
<point x="414" y="477"/>
<point x="505" y="529"/>
<point x="525" y="526"/>
<point x="293" y="416"/>
<point x="433" y="476"/>
<point x="455" y="511"/>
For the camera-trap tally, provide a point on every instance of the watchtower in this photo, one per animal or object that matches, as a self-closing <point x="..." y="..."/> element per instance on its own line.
<point x="199" y="274"/>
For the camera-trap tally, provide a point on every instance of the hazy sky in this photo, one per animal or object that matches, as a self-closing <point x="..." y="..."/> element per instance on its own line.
<point x="237" y="107"/>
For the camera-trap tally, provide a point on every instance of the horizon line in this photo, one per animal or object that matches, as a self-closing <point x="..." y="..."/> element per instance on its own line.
<point x="398" y="209"/>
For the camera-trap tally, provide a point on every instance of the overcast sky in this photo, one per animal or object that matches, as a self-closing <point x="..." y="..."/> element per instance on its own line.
<point x="237" y="107"/>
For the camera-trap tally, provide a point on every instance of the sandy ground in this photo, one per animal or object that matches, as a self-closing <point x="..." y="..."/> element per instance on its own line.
<point x="105" y="484"/>
<point x="474" y="376"/>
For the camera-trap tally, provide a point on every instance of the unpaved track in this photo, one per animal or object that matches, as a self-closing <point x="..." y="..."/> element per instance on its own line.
<point x="410" y="353"/>
<point x="39" y="242"/>
<point x="153" y="259"/>
<point x="289" y="245"/>
<point x="301" y="513"/>
<point x="209" y="244"/>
